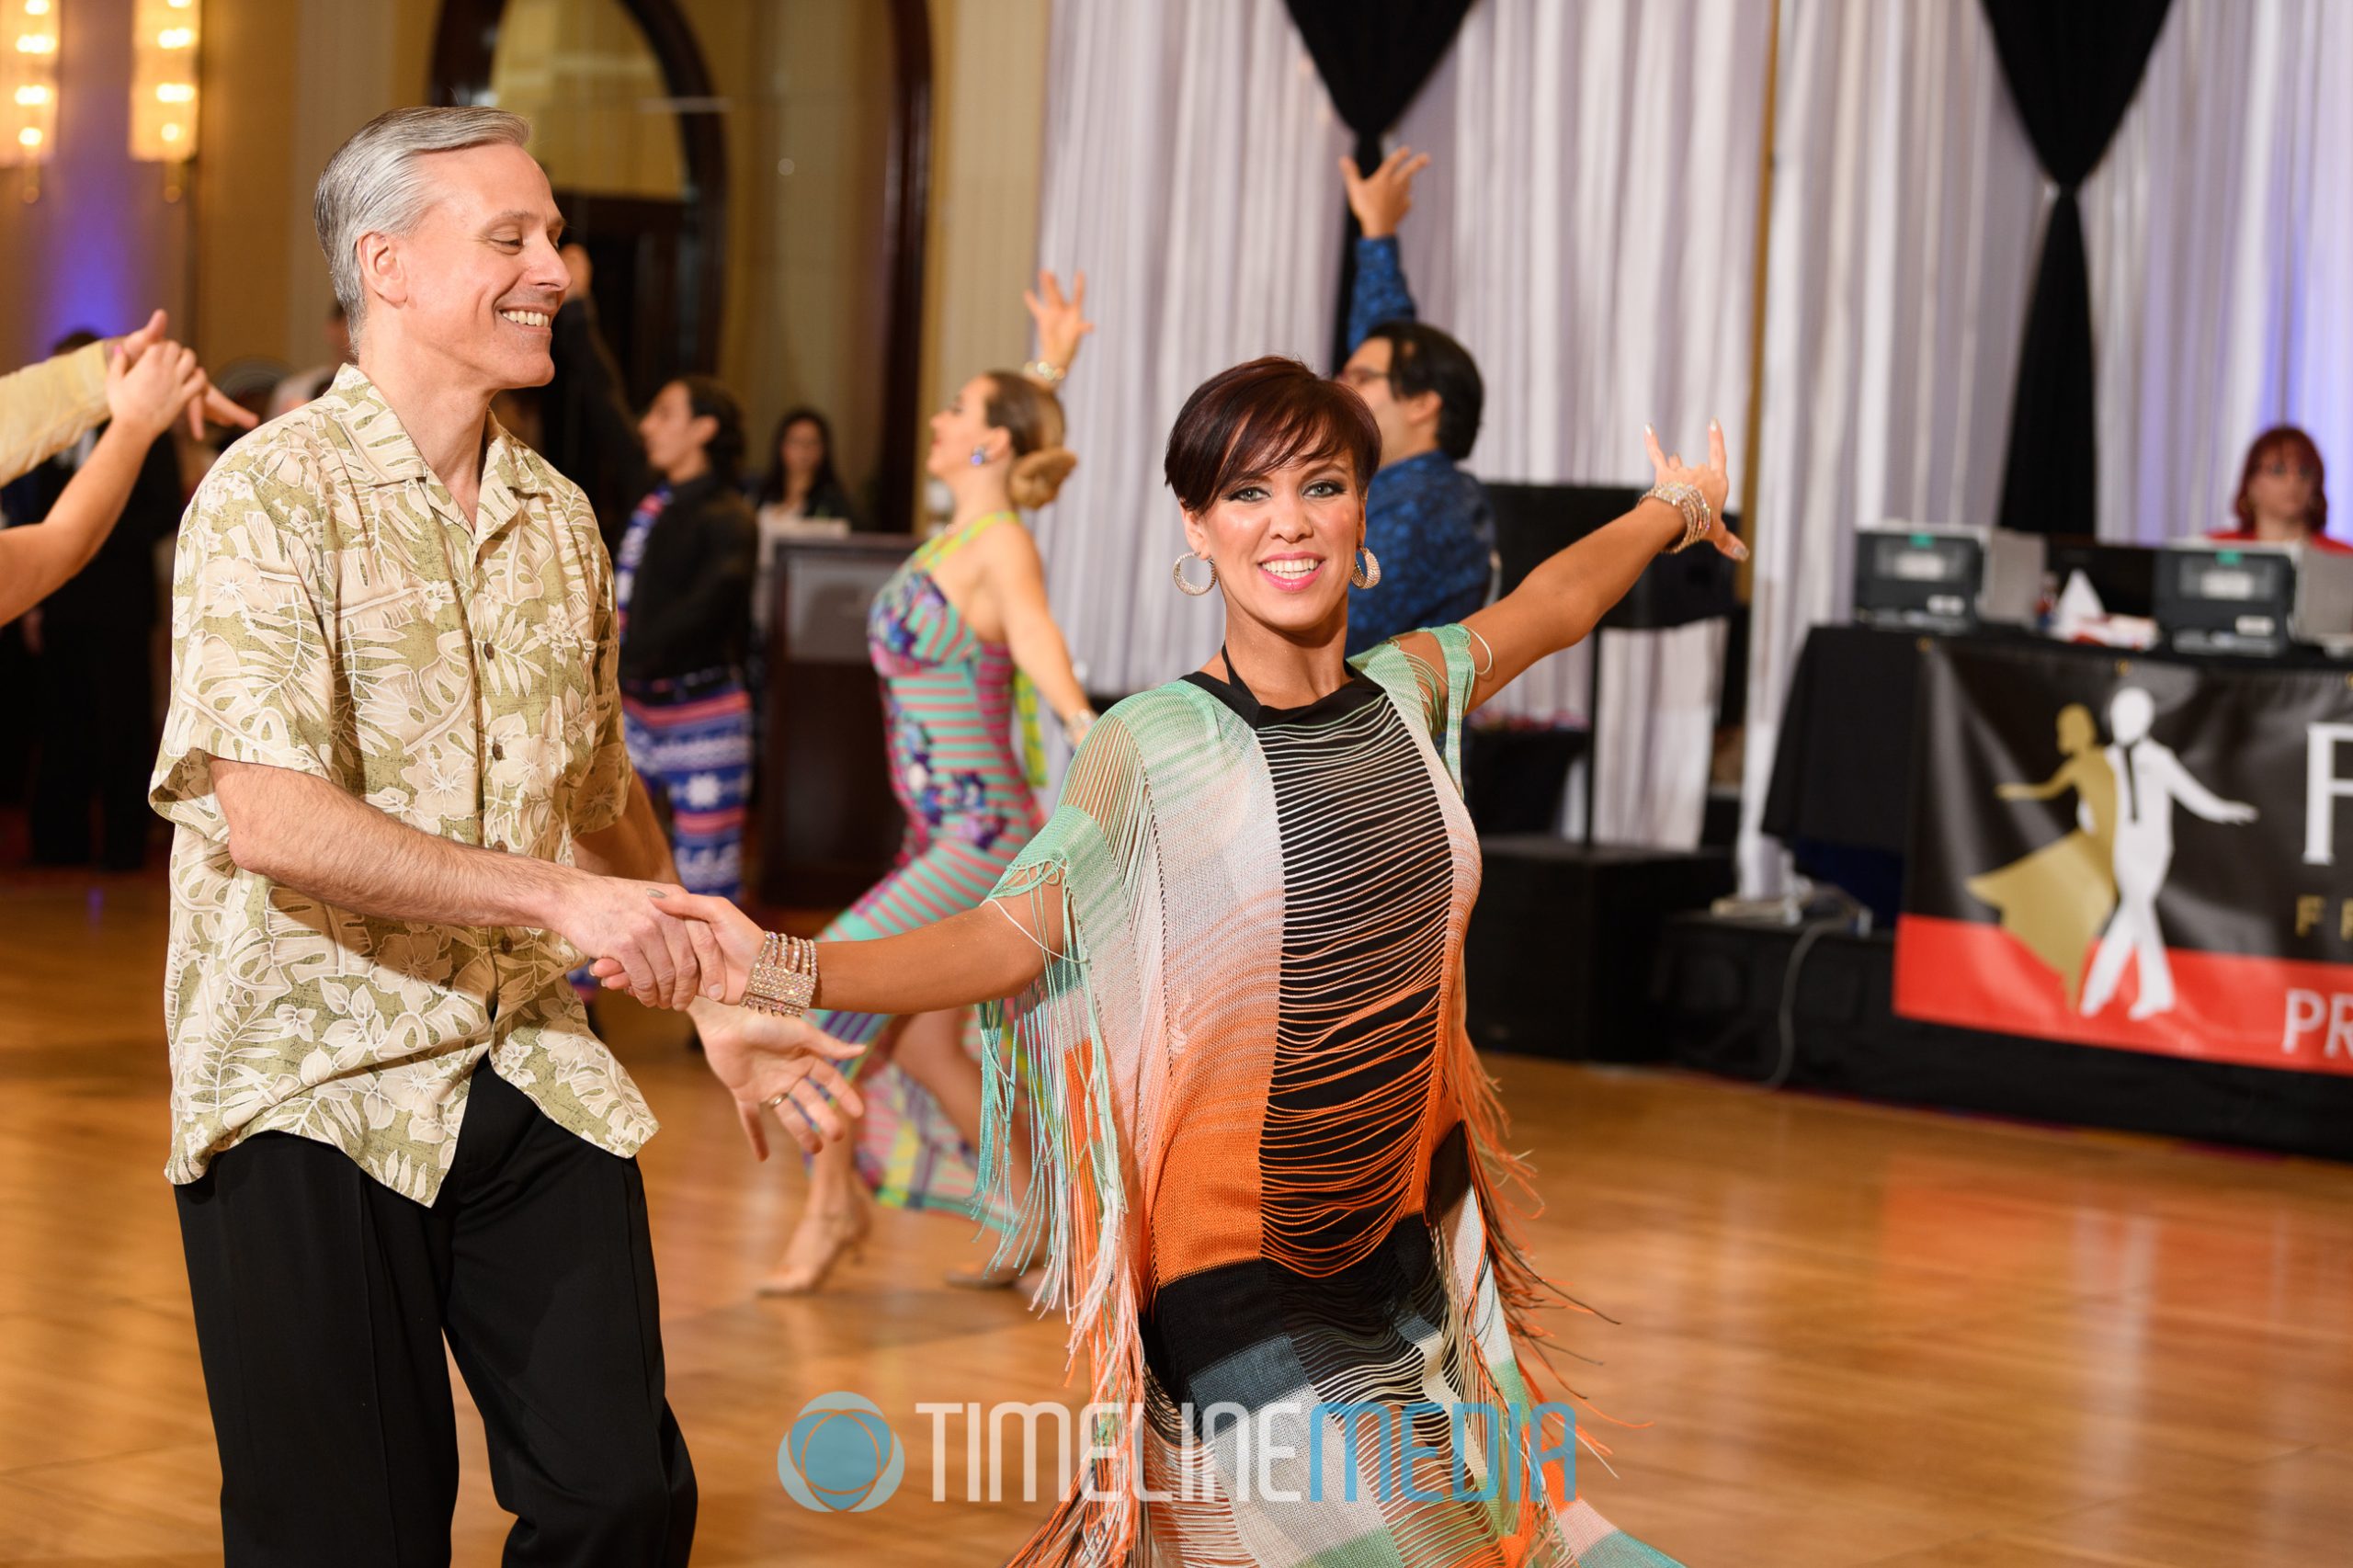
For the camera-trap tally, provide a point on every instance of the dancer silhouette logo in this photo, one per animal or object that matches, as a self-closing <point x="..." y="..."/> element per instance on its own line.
<point x="840" y="1457"/>
<point x="2137" y="855"/>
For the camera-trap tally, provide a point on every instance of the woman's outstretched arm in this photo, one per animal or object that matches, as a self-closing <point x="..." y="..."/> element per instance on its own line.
<point x="1564" y="598"/>
<point x="982" y="955"/>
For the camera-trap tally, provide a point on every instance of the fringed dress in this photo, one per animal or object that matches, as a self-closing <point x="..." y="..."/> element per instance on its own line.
<point x="1269" y="1162"/>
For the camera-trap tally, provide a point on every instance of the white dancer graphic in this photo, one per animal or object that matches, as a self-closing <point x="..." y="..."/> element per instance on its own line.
<point x="2149" y="779"/>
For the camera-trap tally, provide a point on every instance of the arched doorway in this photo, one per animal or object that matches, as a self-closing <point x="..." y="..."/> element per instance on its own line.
<point x="661" y="240"/>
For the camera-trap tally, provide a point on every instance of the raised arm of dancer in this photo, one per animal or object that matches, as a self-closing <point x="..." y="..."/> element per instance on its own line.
<point x="2201" y="800"/>
<point x="1380" y="201"/>
<point x="1016" y="578"/>
<point x="1566" y="595"/>
<point x="1061" y="319"/>
<point x="144" y="399"/>
<point x="45" y="408"/>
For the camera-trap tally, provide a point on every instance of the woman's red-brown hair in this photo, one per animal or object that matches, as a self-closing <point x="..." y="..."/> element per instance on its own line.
<point x="2299" y="447"/>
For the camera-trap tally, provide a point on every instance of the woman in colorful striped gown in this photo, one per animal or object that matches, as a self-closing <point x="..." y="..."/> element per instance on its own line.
<point x="963" y="642"/>
<point x="1271" y="1173"/>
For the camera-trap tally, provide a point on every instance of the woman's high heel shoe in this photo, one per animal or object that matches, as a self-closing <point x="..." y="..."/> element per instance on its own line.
<point x="818" y="1242"/>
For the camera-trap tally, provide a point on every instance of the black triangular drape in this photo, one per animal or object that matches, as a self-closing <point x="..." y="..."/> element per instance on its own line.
<point x="2073" y="67"/>
<point x="1374" y="55"/>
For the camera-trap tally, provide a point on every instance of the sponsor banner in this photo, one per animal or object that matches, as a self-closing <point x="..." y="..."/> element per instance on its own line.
<point x="2132" y="853"/>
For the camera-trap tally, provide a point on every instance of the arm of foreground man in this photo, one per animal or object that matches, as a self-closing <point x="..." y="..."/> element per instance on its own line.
<point x="765" y="1067"/>
<point x="309" y="834"/>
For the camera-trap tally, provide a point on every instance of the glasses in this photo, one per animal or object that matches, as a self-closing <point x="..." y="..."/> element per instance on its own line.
<point x="1361" y="376"/>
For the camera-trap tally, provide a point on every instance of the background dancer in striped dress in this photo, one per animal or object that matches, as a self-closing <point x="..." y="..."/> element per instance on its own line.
<point x="956" y="635"/>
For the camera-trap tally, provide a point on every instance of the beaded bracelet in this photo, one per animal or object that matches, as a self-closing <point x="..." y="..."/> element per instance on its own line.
<point x="1698" y="517"/>
<point x="784" y="977"/>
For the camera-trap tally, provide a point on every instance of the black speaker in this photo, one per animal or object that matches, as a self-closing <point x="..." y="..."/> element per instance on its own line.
<point x="1534" y="521"/>
<point x="1563" y="943"/>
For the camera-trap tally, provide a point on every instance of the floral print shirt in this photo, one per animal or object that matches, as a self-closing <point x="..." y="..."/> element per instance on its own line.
<point x="333" y="613"/>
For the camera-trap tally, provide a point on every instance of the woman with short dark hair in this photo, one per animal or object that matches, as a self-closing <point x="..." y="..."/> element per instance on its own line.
<point x="1270" y="1174"/>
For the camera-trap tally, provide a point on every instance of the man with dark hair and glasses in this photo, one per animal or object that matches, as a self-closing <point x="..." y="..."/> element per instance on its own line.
<point x="1427" y="521"/>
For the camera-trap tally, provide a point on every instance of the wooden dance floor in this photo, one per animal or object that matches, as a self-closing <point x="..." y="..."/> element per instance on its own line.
<point x="1856" y="1335"/>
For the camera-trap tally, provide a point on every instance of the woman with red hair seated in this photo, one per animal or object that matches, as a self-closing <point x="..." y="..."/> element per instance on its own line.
<point x="2280" y="498"/>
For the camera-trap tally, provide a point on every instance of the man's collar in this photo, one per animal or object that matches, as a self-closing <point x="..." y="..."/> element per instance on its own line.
<point x="388" y="455"/>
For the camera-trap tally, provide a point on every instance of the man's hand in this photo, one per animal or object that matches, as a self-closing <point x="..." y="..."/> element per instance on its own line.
<point x="623" y="922"/>
<point x="727" y="939"/>
<point x="784" y="1066"/>
<point x="1380" y="199"/>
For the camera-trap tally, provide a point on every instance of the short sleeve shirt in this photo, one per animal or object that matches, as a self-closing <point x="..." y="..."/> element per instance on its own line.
<point x="335" y="613"/>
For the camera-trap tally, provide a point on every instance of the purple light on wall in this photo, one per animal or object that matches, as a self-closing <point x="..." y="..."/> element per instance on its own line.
<point x="103" y="248"/>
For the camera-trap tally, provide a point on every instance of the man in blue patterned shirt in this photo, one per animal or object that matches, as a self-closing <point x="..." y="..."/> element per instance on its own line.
<point x="1427" y="522"/>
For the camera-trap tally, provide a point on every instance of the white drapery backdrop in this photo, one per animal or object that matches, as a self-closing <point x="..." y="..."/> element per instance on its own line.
<point x="1190" y="158"/>
<point x="1594" y="254"/>
<point x="1906" y="206"/>
<point x="1191" y="171"/>
<point x="2220" y="234"/>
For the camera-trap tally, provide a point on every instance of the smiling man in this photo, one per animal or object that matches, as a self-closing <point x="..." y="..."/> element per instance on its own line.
<point x="404" y="809"/>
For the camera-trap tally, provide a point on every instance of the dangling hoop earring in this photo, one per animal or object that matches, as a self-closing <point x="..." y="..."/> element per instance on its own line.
<point x="1178" y="572"/>
<point x="1365" y="572"/>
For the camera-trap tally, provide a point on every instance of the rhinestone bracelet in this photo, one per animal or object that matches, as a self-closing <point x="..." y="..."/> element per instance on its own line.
<point x="1698" y="517"/>
<point x="784" y="977"/>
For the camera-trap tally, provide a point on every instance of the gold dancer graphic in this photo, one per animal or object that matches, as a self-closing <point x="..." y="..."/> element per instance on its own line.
<point x="2055" y="899"/>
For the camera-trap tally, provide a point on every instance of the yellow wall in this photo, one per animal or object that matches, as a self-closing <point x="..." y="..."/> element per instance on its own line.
<point x="990" y="120"/>
<point x="284" y="82"/>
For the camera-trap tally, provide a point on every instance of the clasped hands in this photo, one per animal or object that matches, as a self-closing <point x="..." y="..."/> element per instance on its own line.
<point x="672" y="949"/>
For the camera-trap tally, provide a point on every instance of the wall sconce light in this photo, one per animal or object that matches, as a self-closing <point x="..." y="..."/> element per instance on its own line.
<point x="164" y="34"/>
<point x="27" y="88"/>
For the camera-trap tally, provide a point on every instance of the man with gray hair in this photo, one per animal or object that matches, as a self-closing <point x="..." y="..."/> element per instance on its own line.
<point x="404" y="811"/>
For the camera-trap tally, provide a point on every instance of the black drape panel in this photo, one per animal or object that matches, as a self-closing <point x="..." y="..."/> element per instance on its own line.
<point x="1374" y="55"/>
<point x="2073" y="67"/>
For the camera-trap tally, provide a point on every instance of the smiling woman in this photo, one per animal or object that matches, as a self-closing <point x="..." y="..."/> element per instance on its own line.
<point x="1268" y="1171"/>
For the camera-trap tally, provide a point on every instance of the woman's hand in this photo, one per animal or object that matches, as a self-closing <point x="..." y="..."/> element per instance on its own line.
<point x="1710" y="481"/>
<point x="146" y="395"/>
<point x="740" y="939"/>
<point x="1061" y="322"/>
<point x="784" y="1067"/>
<point x="1380" y="199"/>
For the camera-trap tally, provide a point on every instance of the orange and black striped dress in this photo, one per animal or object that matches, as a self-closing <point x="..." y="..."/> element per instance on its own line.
<point x="1269" y="1169"/>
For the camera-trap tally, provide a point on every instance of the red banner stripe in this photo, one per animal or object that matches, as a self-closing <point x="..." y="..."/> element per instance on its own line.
<point x="2255" y="1012"/>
